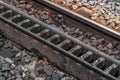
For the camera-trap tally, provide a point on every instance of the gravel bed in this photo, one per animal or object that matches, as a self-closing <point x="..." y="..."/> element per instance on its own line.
<point x="16" y="63"/>
<point x="95" y="40"/>
<point x="105" y="12"/>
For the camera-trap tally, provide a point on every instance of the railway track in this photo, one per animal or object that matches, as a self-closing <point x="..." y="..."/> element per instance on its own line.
<point x="80" y="18"/>
<point x="78" y="6"/>
<point x="104" y="41"/>
<point x="76" y="50"/>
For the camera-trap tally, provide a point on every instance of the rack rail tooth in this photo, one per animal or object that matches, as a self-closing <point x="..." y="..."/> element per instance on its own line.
<point x="70" y="47"/>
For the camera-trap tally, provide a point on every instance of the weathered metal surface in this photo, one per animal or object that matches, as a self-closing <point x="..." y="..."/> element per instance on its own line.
<point x="80" y="18"/>
<point x="20" y="28"/>
<point x="57" y="59"/>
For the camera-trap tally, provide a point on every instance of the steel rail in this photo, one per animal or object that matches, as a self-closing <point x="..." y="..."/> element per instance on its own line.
<point x="82" y="19"/>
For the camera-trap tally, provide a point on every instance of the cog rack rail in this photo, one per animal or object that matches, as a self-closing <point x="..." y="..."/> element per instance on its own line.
<point x="76" y="50"/>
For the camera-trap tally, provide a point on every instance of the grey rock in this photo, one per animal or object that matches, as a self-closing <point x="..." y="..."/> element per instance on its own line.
<point x="117" y="4"/>
<point x="91" y="2"/>
<point x="15" y="49"/>
<point x="31" y="54"/>
<point x="119" y="77"/>
<point x="5" y="74"/>
<point x="117" y="7"/>
<point x="8" y="60"/>
<point x="18" y="54"/>
<point x="116" y="52"/>
<point x="6" y="67"/>
<point x="43" y="75"/>
<point x="18" y="70"/>
<point x="48" y="69"/>
<point x="12" y="72"/>
<point x="117" y="57"/>
<point x="55" y="77"/>
<point x="61" y="74"/>
<point x="24" y="53"/>
<point x="28" y="77"/>
<point x="23" y="74"/>
<point x="39" y="78"/>
<point x="31" y="65"/>
<point x="26" y="58"/>
<point x="1" y="58"/>
<point x="9" y="75"/>
<point x="48" y="78"/>
<point x="68" y="78"/>
<point x="18" y="76"/>
<point x="2" y="78"/>
<point x="39" y="67"/>
<point x="0" y="73"/>
<point x="1" y="44"/>
<point x="13" y="66"/>
<point x="110" y="46"/>
<point x="44" y="17"/>
<point x="1" y="36"/>
<point x="18" y="61"/>
<point x="11" y="78"/>
<point x="34" y="58"/>
<point x="9" y="44"/>
<point x="32" y="74"/>
<point x="85" y="1"/>
<point x="19" y="79"/>
<point x="105" y="1"/>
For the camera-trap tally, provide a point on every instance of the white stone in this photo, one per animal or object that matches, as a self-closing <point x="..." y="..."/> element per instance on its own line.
<point x="39" y="78"/>
<point x="9" y="60"/>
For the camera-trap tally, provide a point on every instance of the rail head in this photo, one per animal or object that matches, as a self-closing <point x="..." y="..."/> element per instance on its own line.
<point x="80" y="18"/>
